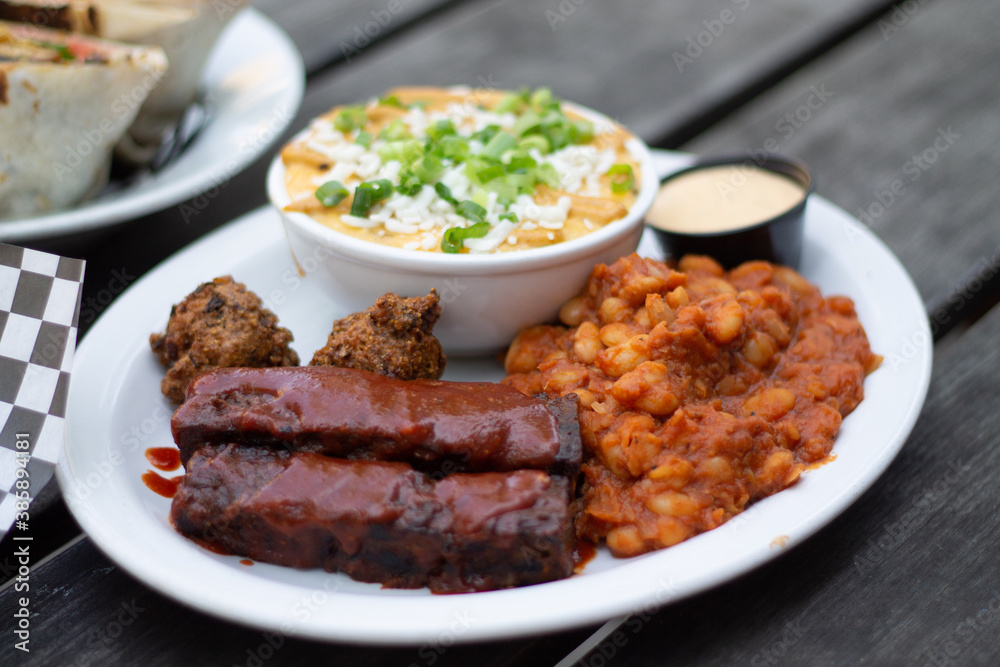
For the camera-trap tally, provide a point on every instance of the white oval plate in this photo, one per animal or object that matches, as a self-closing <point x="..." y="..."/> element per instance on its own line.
<point x="116" y="411"/>
<point x="253" y="82"/>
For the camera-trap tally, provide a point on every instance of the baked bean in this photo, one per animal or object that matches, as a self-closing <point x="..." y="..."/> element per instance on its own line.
<point x="587" y="342"/>
<point x="625" y="540"/>
<point x="620" y="359"/>
<point x="772" y="403"/>
<point x="671" y="531"/>
<point x="675" y="472"/>
<point x="678" y="298"/>
<point x="529" y="348"/>
<point x="587" y="397"/>
<point x="716" y="468"/>
<point x="647" y="388"/>
<point x="616" y="333"/>
<point x="672" y="503"/>
<point x="566" y="378"/>
<point x="572" y="312"/>
<point x="753" y="274"/>
<point x="699" y="264"/>
<point x="725" y="321"/>
<point x="699" y="391"/>
<point x="613" y="309"/>
<point x="759" y="349"/>
<point x="777" y="329"/>
<point x="791" y="279"/>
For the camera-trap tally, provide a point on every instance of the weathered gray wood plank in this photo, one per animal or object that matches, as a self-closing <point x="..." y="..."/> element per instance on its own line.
<point x="903" y="135"/>
<point x="327" y="31"/>
<point x="643" y="65"/>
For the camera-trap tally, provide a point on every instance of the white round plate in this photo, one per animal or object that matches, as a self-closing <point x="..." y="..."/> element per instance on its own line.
<point x="116" y="412"/>
<point x="253" y="83"/>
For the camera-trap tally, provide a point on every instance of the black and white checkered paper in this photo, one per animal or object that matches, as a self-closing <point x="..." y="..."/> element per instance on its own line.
<point x="39" y="310"/>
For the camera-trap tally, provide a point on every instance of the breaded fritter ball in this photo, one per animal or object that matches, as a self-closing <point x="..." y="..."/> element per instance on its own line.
<point x="392" y="338"/>
<point x="220" y="324"/>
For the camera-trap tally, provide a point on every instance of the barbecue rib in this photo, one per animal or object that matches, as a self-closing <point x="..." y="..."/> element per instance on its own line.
<point x="379" y="521"/>
<point x="435" y="426"/>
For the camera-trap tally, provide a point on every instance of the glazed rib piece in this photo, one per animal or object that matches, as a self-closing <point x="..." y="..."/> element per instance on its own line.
<point x="379" y="521"/>
<point x="433" y="425"/>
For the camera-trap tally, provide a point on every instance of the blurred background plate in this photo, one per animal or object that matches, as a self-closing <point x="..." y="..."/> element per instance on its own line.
<point x="251" y="90"/>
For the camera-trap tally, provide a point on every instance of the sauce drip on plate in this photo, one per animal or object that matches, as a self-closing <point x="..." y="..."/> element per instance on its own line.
<point x="164" y="458"/>
<point x="583" y="554"/>
<point x="165" y="486"/>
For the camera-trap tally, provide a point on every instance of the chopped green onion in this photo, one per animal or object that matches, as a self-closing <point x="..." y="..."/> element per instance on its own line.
<point x="512" y="103"/>
<point x="440" y="129"/>
<point x="621" y="178"/>
<point x="506" y="193"/>
<point x="454" y="148"/>
<point x="529" y="122"/>
<point x="331" y="193"/>
<point x="521" y="165"/>
<point x="548" y="175"/>
<point x="524" y="183"/>
<point x="428" y="168"/>
<point x="406" y="152"/>
<point x="395" y="131"/>
<point x="368" y="194"/>
<point x="471" y="210"/>
<point x="481" y="197"/>
<point x="535" y="141"/>
<point x="364" y="139"/>
<point x="488" y="174"/>
<point x="363" y="201"/>
<point x="390" y="101"/>
<point x="444" y="192"/>
<point x="409" y="183"/>
<point x="542" y="99"/>
<point x="558" y="135"/>
<point x="350" y="118"/>
<point x="453" y="239"/>
<point x="508" y="216"/>
<point x="484" y="135"/>
<point x="498" y="145"/>
<point x="581" y="131"/>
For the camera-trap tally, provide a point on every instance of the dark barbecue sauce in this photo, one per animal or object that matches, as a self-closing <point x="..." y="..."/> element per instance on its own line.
<point x="583" y="554"/>
<point x="166" y="487"/>
<point x="164" y="458"/>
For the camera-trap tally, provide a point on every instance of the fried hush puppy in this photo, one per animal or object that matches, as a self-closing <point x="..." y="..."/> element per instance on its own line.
<point x="220" y="324"/>
<point x="391" y="338"/>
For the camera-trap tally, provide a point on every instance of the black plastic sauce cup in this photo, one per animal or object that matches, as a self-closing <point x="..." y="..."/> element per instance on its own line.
<point x="777" y="239"/>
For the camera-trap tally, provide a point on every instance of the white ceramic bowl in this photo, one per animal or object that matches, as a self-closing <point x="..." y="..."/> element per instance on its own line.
<point x="486" y="299"/>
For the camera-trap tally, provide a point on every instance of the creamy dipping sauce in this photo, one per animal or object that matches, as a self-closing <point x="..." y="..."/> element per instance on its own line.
<point x="722" y="198"/>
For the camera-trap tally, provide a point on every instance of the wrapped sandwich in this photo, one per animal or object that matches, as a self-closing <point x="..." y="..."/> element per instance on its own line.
<point x="185" y="29"/>
<point x="65" y="101"/>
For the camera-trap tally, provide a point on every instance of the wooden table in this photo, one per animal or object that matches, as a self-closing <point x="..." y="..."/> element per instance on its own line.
<point x="894" y="107"/>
